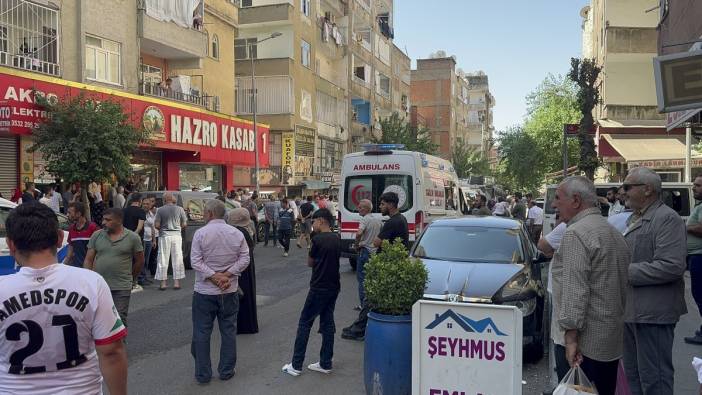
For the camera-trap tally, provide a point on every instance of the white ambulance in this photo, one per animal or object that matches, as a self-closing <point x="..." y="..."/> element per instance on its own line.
<point x="427" y="187"/>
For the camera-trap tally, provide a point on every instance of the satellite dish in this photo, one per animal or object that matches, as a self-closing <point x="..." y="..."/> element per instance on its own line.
<point x="440" y="54"/>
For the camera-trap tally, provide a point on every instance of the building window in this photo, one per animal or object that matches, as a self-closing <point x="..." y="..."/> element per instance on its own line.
<point x="207" y="42"/>
<point x="306" y="53"/>
<point x="246" y="3"/>
<point x="305" y="7"/>
<point x="242" y="47"/>
<point x="215" y="46"/>
<point x="102" y="60"/>
<point x="329" y="154"/>
<point x="363" y="37"/>
<point x="275" y="149"/>
<point x="383" y="84"/>
<point x="151" y="75"/>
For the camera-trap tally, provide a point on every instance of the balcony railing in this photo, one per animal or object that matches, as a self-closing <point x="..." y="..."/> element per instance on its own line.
<point x="157" y="90"/>
<point x="274" y="95"/>
<point x="29" y="37"/>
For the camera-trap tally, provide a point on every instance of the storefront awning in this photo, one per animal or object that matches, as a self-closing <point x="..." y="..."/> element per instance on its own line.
<point x="657" y="151"/>
<point x="315" y="185"/>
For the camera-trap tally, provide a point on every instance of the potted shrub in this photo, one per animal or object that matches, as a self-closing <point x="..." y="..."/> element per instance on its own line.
<point x="394" y="283"/>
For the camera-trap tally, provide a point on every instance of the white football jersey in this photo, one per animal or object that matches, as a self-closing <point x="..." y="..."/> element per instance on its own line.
<point x="50" y="321"/>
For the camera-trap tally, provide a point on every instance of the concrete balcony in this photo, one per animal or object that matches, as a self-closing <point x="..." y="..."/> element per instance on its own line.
<point x="273" y="14"/>
<point x="183" y="47"/>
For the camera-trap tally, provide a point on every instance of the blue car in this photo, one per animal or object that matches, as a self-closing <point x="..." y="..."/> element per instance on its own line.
<point x="487" y="260"/>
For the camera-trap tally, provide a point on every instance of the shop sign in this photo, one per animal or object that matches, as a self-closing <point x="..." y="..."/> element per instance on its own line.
<point x="216" y="138"/>
<point x="461" y="348"/>
<point x="5" y="120"/>
<point x="303" y="166"/>
<point x="288" y="162"/>
<point x="665" y="163"/>
<point x="679" y="81"/>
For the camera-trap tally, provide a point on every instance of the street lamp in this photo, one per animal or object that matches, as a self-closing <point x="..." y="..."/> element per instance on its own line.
<point x="254" y="98"/>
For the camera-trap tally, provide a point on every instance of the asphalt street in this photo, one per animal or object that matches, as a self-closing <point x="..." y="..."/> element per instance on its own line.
<point x="161" y="328"/>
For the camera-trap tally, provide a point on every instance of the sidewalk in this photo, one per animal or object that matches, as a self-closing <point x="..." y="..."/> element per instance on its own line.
<point x="685" y="377"/>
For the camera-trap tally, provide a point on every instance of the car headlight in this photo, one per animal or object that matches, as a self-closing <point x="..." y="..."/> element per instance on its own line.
<point x="518" y="289"/>
<point x="527" y="307"/>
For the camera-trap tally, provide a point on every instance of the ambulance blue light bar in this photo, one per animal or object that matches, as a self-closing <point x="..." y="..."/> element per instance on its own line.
<point x="382" y="147"/>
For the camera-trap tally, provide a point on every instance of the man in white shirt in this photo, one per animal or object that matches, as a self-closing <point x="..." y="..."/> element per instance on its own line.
<point x="535" y="219"/>
<point x="63" y="314"/>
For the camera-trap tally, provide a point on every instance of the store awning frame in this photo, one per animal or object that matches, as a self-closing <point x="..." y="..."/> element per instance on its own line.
<point x="315" y="185"/>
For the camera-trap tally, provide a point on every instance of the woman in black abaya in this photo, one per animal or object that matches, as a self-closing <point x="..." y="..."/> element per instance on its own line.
<point x="247" y="319"/>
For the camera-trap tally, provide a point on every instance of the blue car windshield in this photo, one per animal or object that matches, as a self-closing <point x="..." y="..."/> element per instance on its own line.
<point x="470" y="244"/>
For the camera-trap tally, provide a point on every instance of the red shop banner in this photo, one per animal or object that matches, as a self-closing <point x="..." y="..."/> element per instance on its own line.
<point x="217" y="138"/>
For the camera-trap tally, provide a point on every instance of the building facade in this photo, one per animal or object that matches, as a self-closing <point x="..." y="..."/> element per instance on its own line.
<point x="324" y="76"/>
<point x="166" y="66"/>
<point x="622" y="38"/>
<point x="453" y="105"/>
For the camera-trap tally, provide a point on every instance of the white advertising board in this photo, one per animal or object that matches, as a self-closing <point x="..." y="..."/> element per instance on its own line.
<point x="466" y="349"/>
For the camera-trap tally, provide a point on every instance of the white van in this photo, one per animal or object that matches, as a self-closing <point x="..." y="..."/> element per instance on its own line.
<point x="677" y="195"/>
<point x="426" y="185"/>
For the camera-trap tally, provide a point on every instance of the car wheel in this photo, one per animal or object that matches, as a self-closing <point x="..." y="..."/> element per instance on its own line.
<point x="535" y="351"/>
<point x="353" y="263"/>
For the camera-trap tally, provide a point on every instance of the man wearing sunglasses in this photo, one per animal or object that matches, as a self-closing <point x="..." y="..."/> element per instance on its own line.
<point x="655" y="298"/>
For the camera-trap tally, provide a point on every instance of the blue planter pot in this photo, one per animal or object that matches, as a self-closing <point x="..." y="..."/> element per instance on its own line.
<point x="387" y="358"/>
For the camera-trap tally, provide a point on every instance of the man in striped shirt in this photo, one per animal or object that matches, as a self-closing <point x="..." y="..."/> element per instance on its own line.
<point x="78" y="234"/>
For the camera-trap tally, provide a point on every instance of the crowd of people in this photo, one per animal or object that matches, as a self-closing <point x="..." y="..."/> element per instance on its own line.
<point x="616" y="284"/>
<point x="519" y="206"/>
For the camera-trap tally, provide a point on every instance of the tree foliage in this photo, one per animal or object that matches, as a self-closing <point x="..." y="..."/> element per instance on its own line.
<point x="85" y="140"/>
<point x="584" y="72"/>
<point x="519" y="155"/>
<point x="394" y="281"/>
<point x="398" y="131"/>
<point x="468" y="160"/>
<point x="551" y="105"/>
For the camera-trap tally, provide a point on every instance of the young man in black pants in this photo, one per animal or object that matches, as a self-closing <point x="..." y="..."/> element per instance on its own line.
<point x="395" y="227"/>
<point x="321" y="299"/>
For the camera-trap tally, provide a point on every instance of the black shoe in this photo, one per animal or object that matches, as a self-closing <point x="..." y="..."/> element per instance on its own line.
<point x="228" y="376"/>
<point x="353" y="336"/>
<point x="697" y="340"/>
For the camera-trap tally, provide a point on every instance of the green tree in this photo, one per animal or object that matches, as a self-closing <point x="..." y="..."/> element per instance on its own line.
<point x="398" y="131"/>
<point x="468" y="160"/>
<point x="85" y="140"/>
<point x="551" y="105"/>
<point x="585" y="72"/>
<point x="519" y="166"/>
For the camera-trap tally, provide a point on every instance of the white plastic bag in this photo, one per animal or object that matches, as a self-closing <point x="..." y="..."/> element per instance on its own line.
<point x="575" y="383"/>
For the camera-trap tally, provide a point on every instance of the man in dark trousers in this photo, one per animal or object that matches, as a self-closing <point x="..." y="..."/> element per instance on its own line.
<point x="395" y="227"/>
<point x="134" y="219"/>
<point x="324" y="288"/>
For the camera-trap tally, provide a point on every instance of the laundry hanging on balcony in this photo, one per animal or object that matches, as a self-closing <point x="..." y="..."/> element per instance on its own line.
<point x="181" y="12"/>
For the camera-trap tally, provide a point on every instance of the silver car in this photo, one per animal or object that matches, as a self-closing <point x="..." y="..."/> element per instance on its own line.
<point x="487" y="260"/>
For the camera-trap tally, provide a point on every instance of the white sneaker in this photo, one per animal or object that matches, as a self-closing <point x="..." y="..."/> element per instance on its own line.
<point x="291" y="371"/>
<point x="285" y="254"/>
<point x="318" y="368"/>
<point x="137" y="288"/>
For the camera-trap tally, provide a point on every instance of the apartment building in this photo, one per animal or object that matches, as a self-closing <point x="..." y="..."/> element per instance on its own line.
<point x="324" y="77"/>
<point x="168" y="67"/>
<point x="453" y="105"/>
<point x="622" y="38"/>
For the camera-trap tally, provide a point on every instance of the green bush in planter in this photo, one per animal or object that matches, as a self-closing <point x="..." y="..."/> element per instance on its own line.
<point x="394" y="281"/>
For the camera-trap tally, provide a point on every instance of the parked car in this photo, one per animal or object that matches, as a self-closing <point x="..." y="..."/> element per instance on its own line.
<point x="7" y="262"/>
<point x="487" y="260"/>
<point x="194" y="205"/>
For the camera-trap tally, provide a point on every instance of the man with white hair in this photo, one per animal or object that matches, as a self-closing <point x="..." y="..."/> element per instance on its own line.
<point x="589" y="286"/>
<point x="656" y="236"/>
<point x="170" y="222"/>
<point x="219" y="255"/>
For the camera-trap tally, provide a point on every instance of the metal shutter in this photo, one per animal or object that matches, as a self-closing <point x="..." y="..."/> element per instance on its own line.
<point x="8" y="166"/>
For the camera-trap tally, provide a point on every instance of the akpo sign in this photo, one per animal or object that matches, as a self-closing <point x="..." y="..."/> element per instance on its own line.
<point x="679" y="81"/>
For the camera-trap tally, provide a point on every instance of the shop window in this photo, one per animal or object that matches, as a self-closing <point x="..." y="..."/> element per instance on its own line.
<point x="204" y="178"/>
<point x="329" y="154"/>
<point x="275" y="149"/>
<point x="102" y="60"/>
